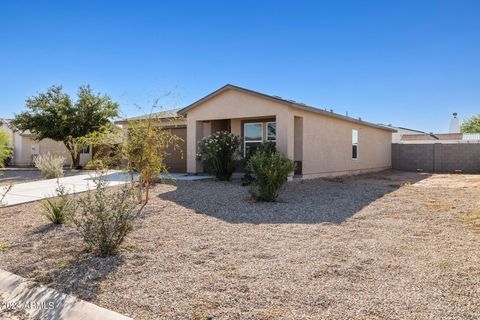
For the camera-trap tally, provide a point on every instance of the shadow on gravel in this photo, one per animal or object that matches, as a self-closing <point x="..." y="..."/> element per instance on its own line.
<point x="300" y="202"/>
<point x="83" y="276"/>
<point x="45" y="229"/>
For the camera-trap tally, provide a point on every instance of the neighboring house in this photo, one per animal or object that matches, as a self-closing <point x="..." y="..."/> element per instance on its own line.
<point x="429" y="138"/>
<point x="410" y="136"/>
<point x="321" y="142"/>
<point x="25" y="147"/>
<point x="401" y="131"/>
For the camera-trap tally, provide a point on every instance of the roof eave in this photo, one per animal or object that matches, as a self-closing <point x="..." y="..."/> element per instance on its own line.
<point x="184" y="111"/>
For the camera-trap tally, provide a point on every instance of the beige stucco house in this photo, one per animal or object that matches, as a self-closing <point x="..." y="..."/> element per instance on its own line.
<point x="321" y="142"/>
<point x="25" y="147"/>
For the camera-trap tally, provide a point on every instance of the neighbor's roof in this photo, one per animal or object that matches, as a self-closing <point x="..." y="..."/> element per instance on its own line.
<point x="432" y="136"/>
<point x="167" y="114"/>
<point x="403" y="128"/>
<point x="290" y="103"/>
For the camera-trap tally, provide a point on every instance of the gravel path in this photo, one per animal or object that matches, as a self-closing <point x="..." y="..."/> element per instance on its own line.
<point x="382" y="246"/>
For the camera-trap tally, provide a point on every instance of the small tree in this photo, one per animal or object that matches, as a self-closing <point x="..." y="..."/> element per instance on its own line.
<point x="146" y="149"/>
<point x="104" y="143"/>
<point x="218" y="152"/>
<point x="471" y="125"/>
<point x="54" y="115"/>
<point x="270" y="170"/>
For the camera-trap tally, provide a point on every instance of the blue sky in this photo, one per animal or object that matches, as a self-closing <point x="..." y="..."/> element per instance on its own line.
<point x="409" y="63"/>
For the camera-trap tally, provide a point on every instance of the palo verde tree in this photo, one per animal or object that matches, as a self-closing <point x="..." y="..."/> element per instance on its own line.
<point x="54" y="115"/>
<point x="471" y="125"/>
<point x="146" y="147"/>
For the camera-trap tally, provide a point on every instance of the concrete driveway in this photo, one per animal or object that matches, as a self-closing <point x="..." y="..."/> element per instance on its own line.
<point x="38" y="190"/>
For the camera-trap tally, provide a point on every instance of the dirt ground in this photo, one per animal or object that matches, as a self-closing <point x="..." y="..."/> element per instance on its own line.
<point x="390" y="245"/>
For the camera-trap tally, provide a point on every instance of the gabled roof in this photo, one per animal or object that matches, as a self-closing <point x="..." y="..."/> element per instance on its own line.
<point x="167" y="114"/>
<point x="290" y="103"/>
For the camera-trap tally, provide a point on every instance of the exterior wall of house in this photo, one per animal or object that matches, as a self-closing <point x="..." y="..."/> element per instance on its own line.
<point x="327" y="146"/>
<point x="25" y="145"/>
<point x="237" y="106"/>
<point x="326" y="142"/>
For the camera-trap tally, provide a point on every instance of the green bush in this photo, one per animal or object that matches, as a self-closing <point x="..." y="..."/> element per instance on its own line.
<point x="95" y="164"/>
<point x="270" y="170"/>
<point x="6" y="149"/>
<point x="105" y="217"/>
<point x="267" y="147"/>
<point x="217" y="153"/>
<point x="59" y="209"/>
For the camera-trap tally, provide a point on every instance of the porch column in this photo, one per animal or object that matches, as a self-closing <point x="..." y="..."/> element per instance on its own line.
<point x="286" y="134"/>
<point x="194" y="135"/>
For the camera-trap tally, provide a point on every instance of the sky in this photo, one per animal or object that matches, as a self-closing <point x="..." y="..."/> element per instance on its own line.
<point x="406" y="63"/>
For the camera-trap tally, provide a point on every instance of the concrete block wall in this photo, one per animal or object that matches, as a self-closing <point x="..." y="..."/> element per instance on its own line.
<point x="438" y="157"/>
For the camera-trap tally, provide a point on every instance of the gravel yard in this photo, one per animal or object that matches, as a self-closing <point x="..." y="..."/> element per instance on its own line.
<point x="390" y="245"/>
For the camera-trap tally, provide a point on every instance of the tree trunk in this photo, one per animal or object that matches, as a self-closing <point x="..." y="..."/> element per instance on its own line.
<point x="75" y="156"/>
<point x="76" y="161"/>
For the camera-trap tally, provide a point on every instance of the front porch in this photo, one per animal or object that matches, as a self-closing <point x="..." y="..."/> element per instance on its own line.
<point x="286" y="131"/>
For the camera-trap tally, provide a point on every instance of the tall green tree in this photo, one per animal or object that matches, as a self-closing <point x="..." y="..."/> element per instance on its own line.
<point x="471" y="125"/>
<point x="54" y="115"/>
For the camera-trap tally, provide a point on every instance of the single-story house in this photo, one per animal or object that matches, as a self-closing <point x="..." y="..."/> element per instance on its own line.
<point x="25" y="147"/>
<point x="321" y="142"/>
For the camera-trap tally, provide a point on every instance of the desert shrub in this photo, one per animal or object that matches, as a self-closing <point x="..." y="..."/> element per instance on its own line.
<point x="104" y="217"/>
<point x="95" y="164"/>
<point x="60" y="208"/>
<point x="50" y="165"/>
<point x="217" y="153"/>
<point x="270" y="171"/>
<point x="267" y="147"/>
<point x="3" y="194"/>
